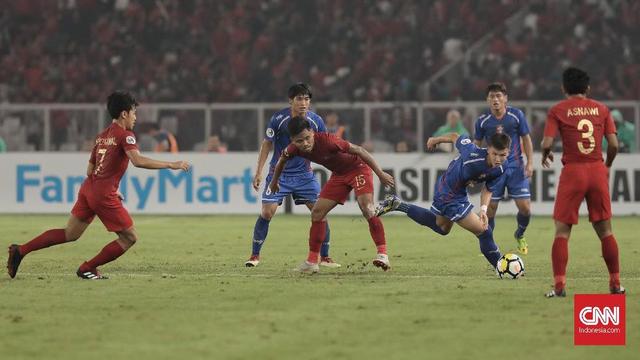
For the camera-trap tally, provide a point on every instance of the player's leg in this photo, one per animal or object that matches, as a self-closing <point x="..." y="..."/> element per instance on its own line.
<point x="431" y="218"/>
<point x="74" y="229"/>
<point x="376" y="229"/>
<point x="325" y="259"/>
<point x="610" y="254"/>
<point x="116" y="219"/>
<point x="518" y="187"/>
<point x="471" y="222"/>
<point x="492" y="210"/>
<point x="560" y="258"/>
<point x="497" y="193"/>
<point x="317" y="233"/>
<point x="260" y="231"/>
<point x="599" y="206"/>
<point x="270" y="203"/>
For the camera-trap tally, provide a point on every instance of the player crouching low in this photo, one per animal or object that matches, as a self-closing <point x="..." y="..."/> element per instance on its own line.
<point x="351" y="167"/>
<point x="451" y="202"/>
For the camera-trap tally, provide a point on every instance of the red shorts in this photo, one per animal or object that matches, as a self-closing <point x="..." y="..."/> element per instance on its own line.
<point x="107" y="206"/>
<point x="588" y="181"/>
<point x="339" y="186"/>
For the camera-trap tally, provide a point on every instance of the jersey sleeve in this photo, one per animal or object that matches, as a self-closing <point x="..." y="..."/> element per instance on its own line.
<point x="493" y="176"/>
<point x="321" y="126"/>
<point x="609" y="124"/>
<point x="465" y="145"/>
<point x="523" y="126"/>
<point x="551" y="125"/>
<point x="270" y="132"/>
<point x="479" y="132"/>
<point x="290" y="151"/>
<point x="129" y="142"/>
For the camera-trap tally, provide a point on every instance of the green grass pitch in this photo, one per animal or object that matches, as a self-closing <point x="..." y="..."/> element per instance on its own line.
<point x="183" y="293"/>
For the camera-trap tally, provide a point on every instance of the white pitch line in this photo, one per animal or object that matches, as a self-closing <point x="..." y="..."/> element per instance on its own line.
<point x="339" y="275"/>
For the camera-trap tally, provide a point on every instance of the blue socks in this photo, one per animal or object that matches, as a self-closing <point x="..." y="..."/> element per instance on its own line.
<point x="422" y="216"/>
<point x="523" y="222"/>
<point x="324" y="250"/>
<point x="492" y="223"/>
<point x="259" y="234"/>
<point x="489" y="248"/>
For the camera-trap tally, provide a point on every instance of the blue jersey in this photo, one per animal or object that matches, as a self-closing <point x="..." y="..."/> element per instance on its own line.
<point x="278" y="134"/>
<point x="469" y="167"/>
<point x="513" y="123"/>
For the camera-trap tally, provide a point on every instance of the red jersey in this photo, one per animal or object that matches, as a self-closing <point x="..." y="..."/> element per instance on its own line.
<point x="329" y="151"/>
<point x="582" y="122"/>
<point x="109" y="157"/>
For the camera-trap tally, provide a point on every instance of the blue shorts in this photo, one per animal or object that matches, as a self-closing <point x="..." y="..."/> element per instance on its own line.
<point x="303" y="187"/>
<point x="453" y="210"/>
<point x="516" y="183"/>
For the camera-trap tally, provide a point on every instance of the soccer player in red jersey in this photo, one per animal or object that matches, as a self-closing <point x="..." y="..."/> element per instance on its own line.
<point x="581" y="122"/>
<point x="99" y="195"/>
<point x="351" y="167"/>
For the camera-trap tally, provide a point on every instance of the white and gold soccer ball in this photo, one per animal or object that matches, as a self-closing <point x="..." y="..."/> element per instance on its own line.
<point x="510" y="266"/>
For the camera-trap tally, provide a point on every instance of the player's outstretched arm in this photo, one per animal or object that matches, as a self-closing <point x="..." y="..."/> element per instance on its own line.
<point x="144" y="162"/>
<point x="273" y="186"/>
<point x="265" y="149"/>
<point x="612" y="148"/>
<point x="432" y="142"/>
<point x="547" y="155"/>
<point x="385" y="179"/>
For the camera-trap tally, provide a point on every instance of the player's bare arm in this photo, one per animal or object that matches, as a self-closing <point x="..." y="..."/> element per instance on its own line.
<point x="547" y="155"/>
<point x="432" y="142"/>
<point x="147" y="163"/>
<point x="485" y="199"/>
<point x="527" y="146"/>
<point x="478" y="143"/>
<point x="385" y="179"/>
<point x="265" y="149"/>
<point x="612" y="149"/>
<point x="273" y="186"/>
<point x="90" y="168"/>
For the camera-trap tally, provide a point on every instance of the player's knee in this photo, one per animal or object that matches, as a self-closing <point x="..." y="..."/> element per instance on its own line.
<point x="71" y="235"/>
<point x="317" y="214"/>
<point x="268" y="213"/>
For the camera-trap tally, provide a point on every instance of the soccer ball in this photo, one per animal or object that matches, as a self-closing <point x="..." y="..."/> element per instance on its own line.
<point x="510" y="266"/>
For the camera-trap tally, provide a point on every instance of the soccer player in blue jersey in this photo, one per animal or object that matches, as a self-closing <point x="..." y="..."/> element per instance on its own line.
<point x="297" y="178"/>
<point x="451" y="202"/>
<point x="512" y="122"/>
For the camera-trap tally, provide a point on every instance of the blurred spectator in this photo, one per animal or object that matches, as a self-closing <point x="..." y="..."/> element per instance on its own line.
<point x="3" y="145"/>
<point x="402" y="147"/>
<point x="452" y="125"/>
<point x="215" y="145"/>
<point x="626" y="133"/>
<point x="331" y="121"/>
<point x="165" y="141"/>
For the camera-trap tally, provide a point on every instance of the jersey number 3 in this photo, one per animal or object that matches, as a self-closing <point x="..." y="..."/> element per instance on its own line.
<point x="586" y="126"/>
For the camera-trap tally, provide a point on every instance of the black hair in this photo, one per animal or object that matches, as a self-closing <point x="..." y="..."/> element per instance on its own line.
<point x="500" y="141"/>
<point x="120" y="101"/>
<point x="497" y="86"/>
<point x="575" y="81"/>
<point x="299" y="89"/>
<point x="297" y="125"/>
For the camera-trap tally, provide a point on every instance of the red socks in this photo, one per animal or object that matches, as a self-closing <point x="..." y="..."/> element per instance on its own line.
<point x="559" y="259"/>
<point x="316" y="237"/>
<point x="610" y="255"/>
<point x="44" y="240"/>
<point x="112" y="251"/>
<point x="377" y="234"/>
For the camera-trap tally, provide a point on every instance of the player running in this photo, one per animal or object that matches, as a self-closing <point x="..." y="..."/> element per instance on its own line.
<point x="511" y="121"/>
<point x="99" y="195"/>
<point x="351" y="167"/>
<point x="451" y="201"/>
<point x="581" y="122"/>
<point x="297" y="179"/>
